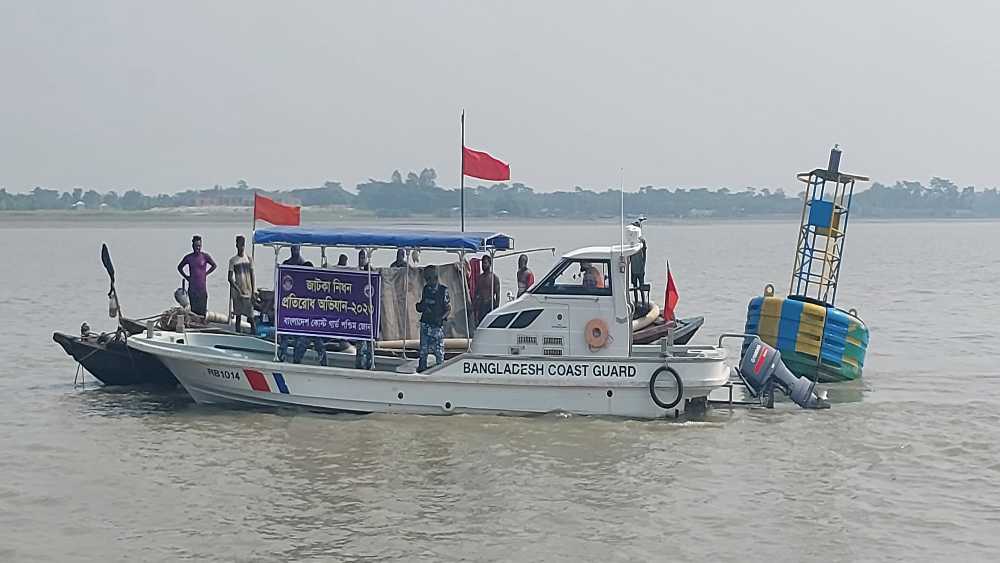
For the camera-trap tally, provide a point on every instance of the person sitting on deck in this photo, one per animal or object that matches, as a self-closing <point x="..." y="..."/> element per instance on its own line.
<point x="400" y="261"/>
<point x="296" y="258"/>
<point x="342" y="261"/>
<point x="434" y="307"/>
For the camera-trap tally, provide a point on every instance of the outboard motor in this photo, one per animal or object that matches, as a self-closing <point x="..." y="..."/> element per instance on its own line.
<point x="181" y="297"/>
<point x="762" y="370"/>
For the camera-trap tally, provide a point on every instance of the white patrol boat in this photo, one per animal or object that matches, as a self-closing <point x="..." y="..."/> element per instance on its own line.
<point x="564" y="346"/>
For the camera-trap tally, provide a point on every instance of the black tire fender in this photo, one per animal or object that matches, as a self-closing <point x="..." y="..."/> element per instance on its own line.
<point x="677" y="380"/>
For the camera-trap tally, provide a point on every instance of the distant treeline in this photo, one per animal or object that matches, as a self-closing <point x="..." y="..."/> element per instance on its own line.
<point x="419" y="194"/>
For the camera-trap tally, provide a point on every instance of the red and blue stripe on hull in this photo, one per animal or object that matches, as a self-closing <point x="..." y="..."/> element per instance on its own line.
<point x="259" y="382"/>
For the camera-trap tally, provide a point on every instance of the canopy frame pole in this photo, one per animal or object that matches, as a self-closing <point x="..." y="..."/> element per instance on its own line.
<point x="493" y="276"/>
<point x="322" y="255"/>
<point x="253" y="228"/>
<point x="466" y="272"/>
<point x="461" y="189"/>
<point x="371" y="313"/>
<point x="510" y="253"/>
<point x="274" y="320"/>
<point x="406" y="308"/>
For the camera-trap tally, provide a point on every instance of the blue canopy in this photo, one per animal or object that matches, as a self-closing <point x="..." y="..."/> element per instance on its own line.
<point x="385" y="238"/>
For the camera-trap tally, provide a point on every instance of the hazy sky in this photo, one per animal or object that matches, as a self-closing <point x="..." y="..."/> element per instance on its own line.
<point x="170" y="95"/>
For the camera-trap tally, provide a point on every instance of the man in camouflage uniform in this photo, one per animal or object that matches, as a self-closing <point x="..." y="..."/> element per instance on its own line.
<point x="434" y="307"/>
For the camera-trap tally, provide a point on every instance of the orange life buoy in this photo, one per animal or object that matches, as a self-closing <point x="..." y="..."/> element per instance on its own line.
<point x="596" y="333"/>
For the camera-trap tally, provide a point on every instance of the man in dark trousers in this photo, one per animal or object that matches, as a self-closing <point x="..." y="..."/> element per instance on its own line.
<point x="638" y="266"/>
<point x="199" y="265"/>
<point x="434" y="307"/>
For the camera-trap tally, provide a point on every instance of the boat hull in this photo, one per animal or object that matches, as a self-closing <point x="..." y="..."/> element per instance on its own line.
<point x="468" y="384"/>
<point x="112" y="362"/>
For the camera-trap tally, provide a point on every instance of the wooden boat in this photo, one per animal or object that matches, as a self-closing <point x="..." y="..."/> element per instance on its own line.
<point x="112" y="362"/>
<point x="106" y="356"/>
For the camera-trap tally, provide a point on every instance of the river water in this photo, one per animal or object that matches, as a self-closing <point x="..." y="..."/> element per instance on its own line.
<point x="905" y="466"/>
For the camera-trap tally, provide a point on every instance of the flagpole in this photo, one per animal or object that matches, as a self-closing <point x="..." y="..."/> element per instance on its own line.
<point x="253" y="229"/>
<point x="253" y="225"/>
<point x="462" y="172"/>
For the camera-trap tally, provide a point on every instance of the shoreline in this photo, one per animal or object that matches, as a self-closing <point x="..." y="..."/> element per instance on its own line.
<point x="322" y="215"/>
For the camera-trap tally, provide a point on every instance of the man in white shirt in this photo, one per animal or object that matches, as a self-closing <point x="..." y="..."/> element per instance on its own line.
<point x="242" y="285"/>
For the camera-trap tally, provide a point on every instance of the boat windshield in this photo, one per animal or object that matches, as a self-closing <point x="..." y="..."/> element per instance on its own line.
<point x="577" y="277"/>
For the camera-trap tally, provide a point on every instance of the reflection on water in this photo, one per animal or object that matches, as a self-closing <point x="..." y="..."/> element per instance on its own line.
<point x="903" y="464"/>
<point x="129" y="401"/>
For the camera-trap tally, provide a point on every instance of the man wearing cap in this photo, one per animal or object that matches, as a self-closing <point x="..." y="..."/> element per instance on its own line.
<point x="434" y="307"/>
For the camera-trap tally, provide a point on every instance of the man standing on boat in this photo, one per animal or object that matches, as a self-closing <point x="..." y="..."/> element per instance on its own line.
<point x="242" y="285"/>
<point x="638" y="267"/>
<point x="487" y="290"/>
<point x="434" y="307"/>
<point x="525" y="278"/>
<point x="199" y="265"/>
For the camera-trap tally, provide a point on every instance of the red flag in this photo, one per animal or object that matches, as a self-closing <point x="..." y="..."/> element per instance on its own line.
<point x="483" y="166"/>
<point x="266" y="209"/>
<point x="671" y="297"/>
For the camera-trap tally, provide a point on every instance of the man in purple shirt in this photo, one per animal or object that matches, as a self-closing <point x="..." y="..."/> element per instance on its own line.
<point x="200" y="265"/>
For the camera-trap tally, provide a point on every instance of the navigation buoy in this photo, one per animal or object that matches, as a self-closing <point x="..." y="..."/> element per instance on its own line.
<point x="816" y="339"/>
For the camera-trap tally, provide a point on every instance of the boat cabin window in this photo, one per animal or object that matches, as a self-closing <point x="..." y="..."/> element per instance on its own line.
<point x="577" y="277"/>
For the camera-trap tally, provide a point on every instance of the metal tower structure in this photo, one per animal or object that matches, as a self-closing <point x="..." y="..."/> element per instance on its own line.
<point x="825" y="211"/>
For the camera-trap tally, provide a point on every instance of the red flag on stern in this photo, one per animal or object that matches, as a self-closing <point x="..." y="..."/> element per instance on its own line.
<point x="483" y="166"/>
<point x="671" y="297"/>
<point x="266" y="209"/>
